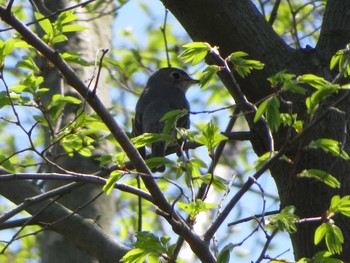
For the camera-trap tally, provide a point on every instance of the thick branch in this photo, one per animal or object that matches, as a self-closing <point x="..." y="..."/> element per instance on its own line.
<point x="84" y="233"/>
<point x="335" y="30"/>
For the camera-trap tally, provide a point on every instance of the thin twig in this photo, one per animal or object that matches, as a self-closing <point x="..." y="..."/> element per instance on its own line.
<point x="104" y="52"/>
<point x="163" y="29"/>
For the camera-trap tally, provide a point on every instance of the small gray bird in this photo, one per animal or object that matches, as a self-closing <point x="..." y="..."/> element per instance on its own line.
<point x="165" y="91"/>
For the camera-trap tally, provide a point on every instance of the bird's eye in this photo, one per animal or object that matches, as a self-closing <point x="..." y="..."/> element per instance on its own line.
<point x="175" y="75"/>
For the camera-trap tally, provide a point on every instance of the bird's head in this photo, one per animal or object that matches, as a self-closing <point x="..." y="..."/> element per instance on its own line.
<point x="172" y="77"/>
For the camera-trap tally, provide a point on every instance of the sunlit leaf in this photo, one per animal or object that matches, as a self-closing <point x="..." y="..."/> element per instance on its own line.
<point x="114" y="177"/>
<point x="331" y="146"/>
<point x="286" y="219"/>
<point x="194" y="208"/>
<point x="195" y="52"/>
<point x="322" y="176"/>
<point x="44" y="23"/>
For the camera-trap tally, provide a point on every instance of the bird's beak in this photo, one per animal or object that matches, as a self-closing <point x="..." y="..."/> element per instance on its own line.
<point x="193" y="81"/>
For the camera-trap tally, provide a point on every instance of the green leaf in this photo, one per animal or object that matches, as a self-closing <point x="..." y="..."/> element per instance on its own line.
<point x="324" y="90"/>
<point x="224" y="255"/>
<point x="75" y="57"/>
<point x="331" y="146"/>
<point x="171" y="118"/>
<point x="280" y="78"/>
<point x="67" y="17"/>
<point x="334" y="239"/>
<point x="286" y="219"/>
<point x="315" y="81"/>
<point x="340" y="205"/>
<point x="149" y="243"/>
<point x="211" y="136"/>
<point x="270" y="108"/>
<point x="267" y="156"/>
<point x="342" y="59"/>
<point x="291" y="120"/>
<point x="286" y="82"/>
<point x="244" y="66"/>
<point x="194" y="208"/>
<point x="321" y="257"/>
<point x="9" y="46"/>
<point x="209" y="73"/>
<point x="58" y="99"/>
<point x="28" y="63"/>
<point x="322" y="176"/>
<point x="261" y="110"/>
<point x="73" y="28"/>
<point x="114" y="177"/>
<point x="217" y="182"/>
<point x="195" y="52"/>
<point x="332" y="235"/>
<point x="318" y="96"/>
<point x="44" y="23"/>
<point x="155" y="162"/>
<point x="78" y="142"/>
<point x="135" y="255"/>
<point x="149" y="138"/>
<point x="59" y="39"/>
<point x="335" y="60"/>
<point x="293" y="86"/>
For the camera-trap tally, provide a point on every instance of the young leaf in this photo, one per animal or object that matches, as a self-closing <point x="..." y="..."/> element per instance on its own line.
<point x="149" y="138"/>
<point x="280" y="78"/>
<point x="314" y="81"/>
<point x="195" y="52"/>
<point x="74" y="57"/>
<point x="291" y="120"/>
<point x="211" y="136"/>
<point x="318" y="96"/>
<point x="322" y="176"/>
<point x="244" y="66"/>
<point x="135" y="255"/>
<point x="286" y="219"/>
<point x="332" y="235"/>
<point x="209" y="73"/>
<point x="8" y="47"/>
<point x="331" y="146"/>
<point x="158" y="161"/>
<point x="270" y="108"/>
<point x="44" y="23"/>
<point x="340" y="205"/>
<point x="224" y="255"/>
<point x="261" y="110"/>
<point x="114" y="177"/>
<point x="320" y="233"/>
<point x="73" y="28"/>
<point x="147" y="246"/>
<point x="341" y="58"/>
<point x="194" y="208"/>
<point x="216" y="181"/>
<point x="265" y="157"/>
<point x="171" y="118"/>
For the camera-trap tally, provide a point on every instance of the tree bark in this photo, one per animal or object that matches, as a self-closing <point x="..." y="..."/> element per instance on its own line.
<point x="84" y="234"/>
<point x="236" y="25"/>
<point x="56" y="247"/>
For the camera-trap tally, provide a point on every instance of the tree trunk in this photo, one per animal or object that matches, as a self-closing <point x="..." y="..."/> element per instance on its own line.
<point x="55" y="247"/>
<point x="236" y="25"/>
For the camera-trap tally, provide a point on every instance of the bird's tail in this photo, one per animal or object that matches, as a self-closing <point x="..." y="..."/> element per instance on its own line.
<point x="158" y="150"/>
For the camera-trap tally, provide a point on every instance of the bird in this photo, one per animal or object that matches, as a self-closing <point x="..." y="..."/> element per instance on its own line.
<point x="164" y="91"/>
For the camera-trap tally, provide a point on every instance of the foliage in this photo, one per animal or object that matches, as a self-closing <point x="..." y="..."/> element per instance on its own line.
<point x="33" y="111"/>
<point x="285" y="220"/>
<point x="149" y="247"/>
